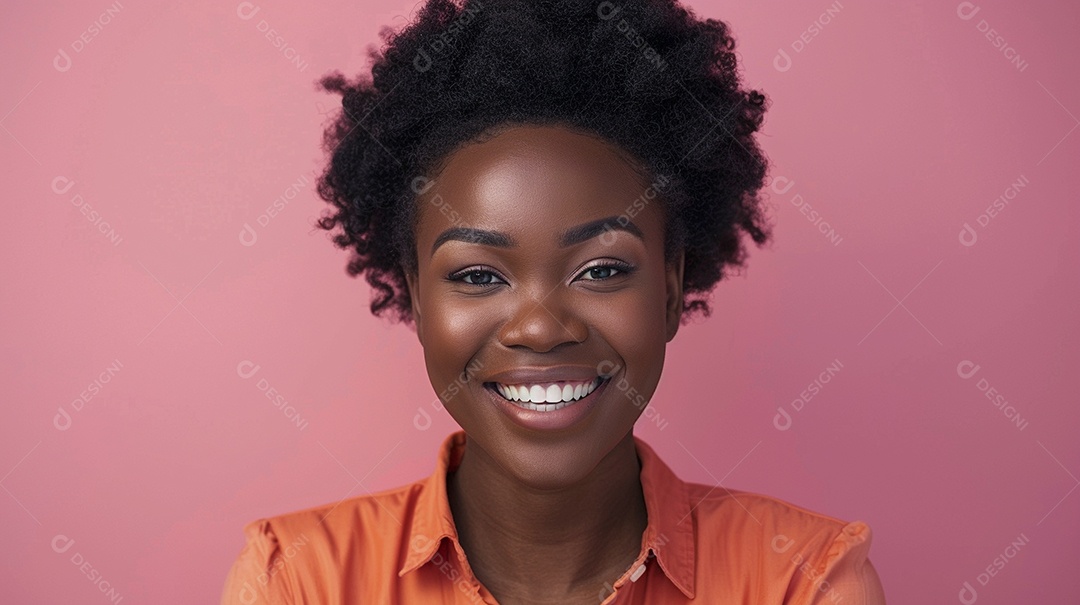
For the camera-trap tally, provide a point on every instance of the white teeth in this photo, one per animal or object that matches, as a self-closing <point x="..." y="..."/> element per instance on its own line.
<point x="546" y="398"/>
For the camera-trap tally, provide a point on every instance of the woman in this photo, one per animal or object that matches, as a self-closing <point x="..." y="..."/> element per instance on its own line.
<point x="546" y="191"/>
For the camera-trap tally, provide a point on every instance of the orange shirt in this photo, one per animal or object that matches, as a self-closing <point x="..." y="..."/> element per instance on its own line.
<point x="703" y="544"/>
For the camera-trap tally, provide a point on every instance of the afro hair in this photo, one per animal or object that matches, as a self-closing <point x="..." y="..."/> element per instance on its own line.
<point x="647" y="76"/>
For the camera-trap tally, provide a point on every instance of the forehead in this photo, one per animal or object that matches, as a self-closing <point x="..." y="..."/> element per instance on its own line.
<point x="533" y="175"/>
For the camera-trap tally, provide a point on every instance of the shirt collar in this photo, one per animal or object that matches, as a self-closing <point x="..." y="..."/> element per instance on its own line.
<point x="669" y="533"/>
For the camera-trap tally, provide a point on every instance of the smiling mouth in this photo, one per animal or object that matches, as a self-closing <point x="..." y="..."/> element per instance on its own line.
<point x="546" y="397"/>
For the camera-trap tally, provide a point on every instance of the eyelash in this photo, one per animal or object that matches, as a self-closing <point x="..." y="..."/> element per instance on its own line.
<point x="459" y="276"/>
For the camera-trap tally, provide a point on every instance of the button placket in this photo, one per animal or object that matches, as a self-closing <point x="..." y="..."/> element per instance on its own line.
<point x="632" y="573"/>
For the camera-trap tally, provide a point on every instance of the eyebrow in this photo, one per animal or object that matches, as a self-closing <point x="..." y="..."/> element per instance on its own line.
<point x="570" y="237"/>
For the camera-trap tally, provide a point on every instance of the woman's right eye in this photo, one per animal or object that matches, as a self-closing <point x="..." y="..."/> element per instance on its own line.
<point x="475" y="277"/>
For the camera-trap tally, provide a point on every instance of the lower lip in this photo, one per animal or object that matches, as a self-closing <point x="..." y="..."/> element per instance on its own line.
<point x="561" y="418"/>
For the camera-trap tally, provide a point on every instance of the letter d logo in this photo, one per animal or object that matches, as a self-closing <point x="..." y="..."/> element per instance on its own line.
<point x="782" y="420"/>
<point x="246" y="10"/>
<point x="61" y="543"/>
<point x="62" y="62"/>
<point x="966" y="11"/>
<point x="782" y="61"/>
<point x="968" y="594"/>
<point x="968" y="237"/>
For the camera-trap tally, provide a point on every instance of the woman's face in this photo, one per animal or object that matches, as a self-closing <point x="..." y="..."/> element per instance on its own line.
<point x="520" y="283"/>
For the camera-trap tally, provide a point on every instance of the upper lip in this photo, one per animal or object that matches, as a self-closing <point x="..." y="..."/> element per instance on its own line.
<point x="545" y="375"/>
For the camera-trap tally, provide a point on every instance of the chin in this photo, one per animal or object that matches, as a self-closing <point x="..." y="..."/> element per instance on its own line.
<point x="555" y="465"/>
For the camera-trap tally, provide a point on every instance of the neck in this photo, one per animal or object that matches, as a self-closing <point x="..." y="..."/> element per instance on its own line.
<point x="548" y="544"/>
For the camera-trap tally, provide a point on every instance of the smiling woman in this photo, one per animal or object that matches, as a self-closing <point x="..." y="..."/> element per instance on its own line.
<point x="544" y="302"/>
<point x="546" y="204"/>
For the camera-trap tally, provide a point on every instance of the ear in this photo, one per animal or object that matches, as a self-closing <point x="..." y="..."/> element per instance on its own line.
<point x="412" y="280"/>
<point x="675" y="294"/>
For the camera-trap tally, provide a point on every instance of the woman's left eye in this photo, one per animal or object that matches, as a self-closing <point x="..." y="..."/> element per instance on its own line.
<point x="606" y="271"/>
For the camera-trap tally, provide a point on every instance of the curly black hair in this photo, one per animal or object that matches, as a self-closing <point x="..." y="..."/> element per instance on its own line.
<point x="647" y="76"/>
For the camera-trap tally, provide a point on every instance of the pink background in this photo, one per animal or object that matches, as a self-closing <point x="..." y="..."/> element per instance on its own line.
<point x="179" y="125"/>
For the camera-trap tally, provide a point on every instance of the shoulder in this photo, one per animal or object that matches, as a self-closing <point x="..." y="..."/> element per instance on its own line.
<point x="334" y="524"/>
<point x="287" y="555"/>
<point x="718" y="505"/>
<point x="817" y="557"/>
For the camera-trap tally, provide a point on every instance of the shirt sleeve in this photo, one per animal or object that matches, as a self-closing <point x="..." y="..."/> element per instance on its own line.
<point x="843" y="573"/>
<point x="254" y="578"/>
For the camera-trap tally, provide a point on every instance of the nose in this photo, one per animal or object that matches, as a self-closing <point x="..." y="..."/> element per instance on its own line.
<point x="542" y="324"/>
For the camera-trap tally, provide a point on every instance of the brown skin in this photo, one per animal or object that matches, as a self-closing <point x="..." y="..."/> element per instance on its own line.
<point x="544" y="516"/>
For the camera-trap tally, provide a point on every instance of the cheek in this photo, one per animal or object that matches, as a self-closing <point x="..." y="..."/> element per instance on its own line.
<point x="452" y="336"/>
<point x="635" y="327"/>
<point x="635" y="319"/>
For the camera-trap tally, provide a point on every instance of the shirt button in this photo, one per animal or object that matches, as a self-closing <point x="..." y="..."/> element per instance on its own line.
<point x="637" y="573"/>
